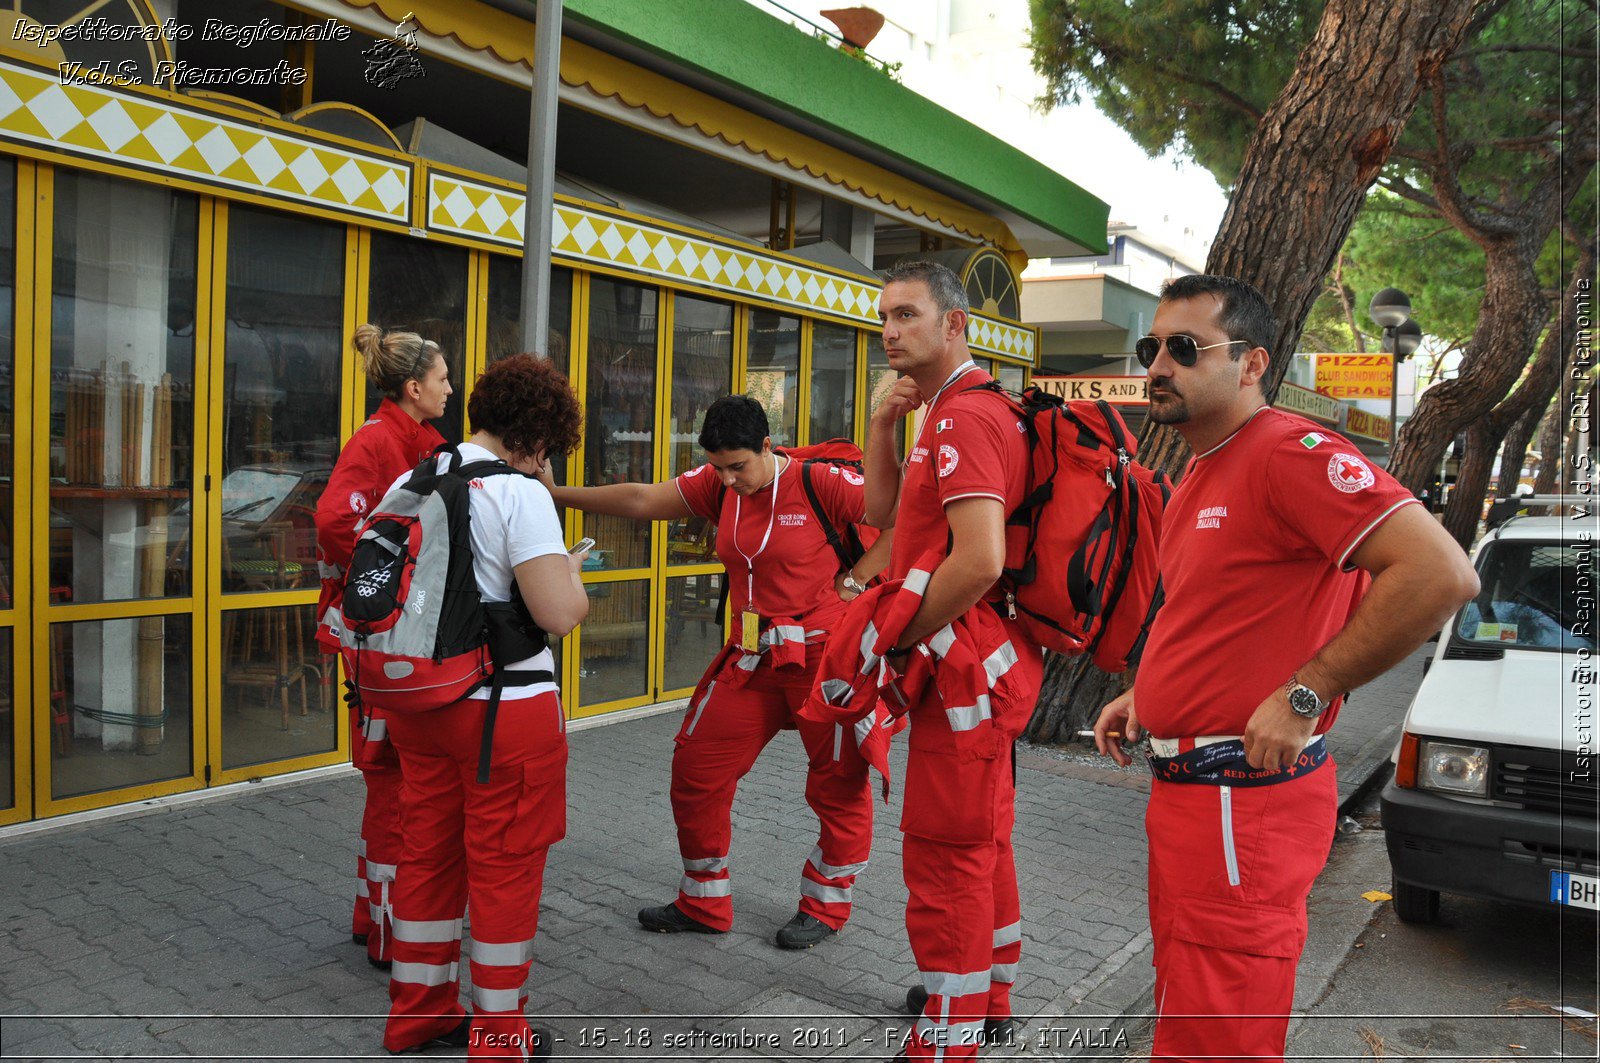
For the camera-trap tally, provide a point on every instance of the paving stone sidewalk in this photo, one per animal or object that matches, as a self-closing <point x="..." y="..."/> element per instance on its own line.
<point x="219" y="929"/>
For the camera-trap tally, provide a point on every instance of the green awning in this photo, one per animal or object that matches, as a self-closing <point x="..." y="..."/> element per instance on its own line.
<point x="736" y="45"/>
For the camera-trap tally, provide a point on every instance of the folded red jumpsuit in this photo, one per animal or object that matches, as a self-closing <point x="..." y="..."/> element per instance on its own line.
<point x="968" y="690"/>
<point x="742" y="701"/>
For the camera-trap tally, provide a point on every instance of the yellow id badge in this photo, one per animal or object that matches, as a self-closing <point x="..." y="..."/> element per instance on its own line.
<point x="750" y="630"/>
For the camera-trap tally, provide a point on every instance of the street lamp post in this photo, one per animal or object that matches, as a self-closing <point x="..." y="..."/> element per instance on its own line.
<point x="1391" y="310"/>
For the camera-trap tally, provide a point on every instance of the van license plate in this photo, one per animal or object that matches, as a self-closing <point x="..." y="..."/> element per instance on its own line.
<point x="1579" y="891"/>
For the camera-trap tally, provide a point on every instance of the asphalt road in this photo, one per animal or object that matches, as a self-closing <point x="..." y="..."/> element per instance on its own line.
<point x="1483" y="983"/>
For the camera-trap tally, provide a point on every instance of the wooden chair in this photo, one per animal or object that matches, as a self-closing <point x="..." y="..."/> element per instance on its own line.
<point x="265" y="648"/>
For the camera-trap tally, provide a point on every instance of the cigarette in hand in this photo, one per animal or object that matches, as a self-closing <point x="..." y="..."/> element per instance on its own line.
<point x="1090" y="734"/>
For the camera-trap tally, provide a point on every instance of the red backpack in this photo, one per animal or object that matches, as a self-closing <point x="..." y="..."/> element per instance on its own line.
<point x="833" y="457"/>
<point x="1080" y="573"/>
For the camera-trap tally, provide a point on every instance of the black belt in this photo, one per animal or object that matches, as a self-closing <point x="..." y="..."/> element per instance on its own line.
<point x="1224" y="764"/>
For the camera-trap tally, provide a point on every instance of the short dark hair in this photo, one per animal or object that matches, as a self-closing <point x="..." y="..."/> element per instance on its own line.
<point x="529" y="404"/>
<point x="734" y="422"/>
<point x="1245" y="315"/>
<point x="945" y="287"/>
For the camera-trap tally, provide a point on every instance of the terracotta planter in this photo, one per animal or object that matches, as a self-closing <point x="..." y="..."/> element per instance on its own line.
<point x="857" y="25"/>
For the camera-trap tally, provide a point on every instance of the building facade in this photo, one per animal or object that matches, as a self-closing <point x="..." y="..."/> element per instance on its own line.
<point x="191" y="231"/>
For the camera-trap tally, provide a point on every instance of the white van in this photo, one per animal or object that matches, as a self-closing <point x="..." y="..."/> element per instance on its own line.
<point x="1494" y="791"/>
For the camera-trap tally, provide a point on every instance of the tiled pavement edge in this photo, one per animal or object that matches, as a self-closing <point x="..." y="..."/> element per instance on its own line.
<point x="218" y="929"/>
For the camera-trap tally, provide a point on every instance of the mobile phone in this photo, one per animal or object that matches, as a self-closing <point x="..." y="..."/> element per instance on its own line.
<point x="581" y="545"/>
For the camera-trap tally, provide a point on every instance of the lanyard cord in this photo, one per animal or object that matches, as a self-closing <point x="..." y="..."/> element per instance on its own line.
<point x="750" y="559"/>
<point x="960" y="371"/>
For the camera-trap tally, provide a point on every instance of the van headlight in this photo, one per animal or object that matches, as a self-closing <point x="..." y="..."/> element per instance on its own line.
<point x="1453" y="768"/>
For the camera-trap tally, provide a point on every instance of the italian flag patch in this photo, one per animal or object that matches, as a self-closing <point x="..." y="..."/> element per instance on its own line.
<point x="1310" y="441"/>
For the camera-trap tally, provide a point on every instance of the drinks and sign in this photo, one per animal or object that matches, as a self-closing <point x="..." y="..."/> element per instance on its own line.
<point x="1307" y="403"/>
<point x="1117" y="390"/>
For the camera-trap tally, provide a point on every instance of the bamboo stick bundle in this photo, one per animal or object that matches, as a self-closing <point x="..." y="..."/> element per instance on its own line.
<point x="97" y="430"/>
<point x="152" y="629"/>
<point x="74" y="438"/>
<point x="129" y="473"/>
<point x="161" y="460"/>
<point x="108" y="454"/>
<point x="139" y="474"/>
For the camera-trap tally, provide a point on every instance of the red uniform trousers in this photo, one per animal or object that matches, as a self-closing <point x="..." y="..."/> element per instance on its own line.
<point x="484" y="842"/>
<point x="723" y="733"/>
<point x="1230" y="870"/>
<point x="379" y="854"/>
<point x="963" y="914"/>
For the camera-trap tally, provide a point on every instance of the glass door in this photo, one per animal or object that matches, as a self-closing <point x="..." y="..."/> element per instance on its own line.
<point x="701" y="367"/>
<point x="124" y="265"/>
<point x="620" y="402"/>
<point x="276" y="437"/>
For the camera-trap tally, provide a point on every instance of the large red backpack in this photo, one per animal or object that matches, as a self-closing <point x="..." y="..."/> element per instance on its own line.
<point x="1080" y="570"/>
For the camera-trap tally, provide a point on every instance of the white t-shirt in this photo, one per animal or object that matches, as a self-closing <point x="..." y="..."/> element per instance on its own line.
<point x="513" y="520"/>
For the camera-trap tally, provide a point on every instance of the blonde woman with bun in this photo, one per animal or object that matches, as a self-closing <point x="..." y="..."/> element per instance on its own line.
<point x="414" y="379"/>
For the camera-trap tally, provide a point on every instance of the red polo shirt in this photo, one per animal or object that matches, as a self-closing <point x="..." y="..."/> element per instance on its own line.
<point x="1255" y="549"/>
<point x="794" y="573"/>
<point x="971" y="445"/>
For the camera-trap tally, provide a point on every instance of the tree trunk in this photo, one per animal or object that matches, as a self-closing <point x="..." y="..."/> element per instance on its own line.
<point x="1308" y="167"/>
<point x="1558" y="436"/>
<point x="1485" y="433"/>
<point x="1514" y="311"/>
<point x="1472" y="483"/>
<point x="1551" y="430"/>
<point x="1514" y="451"/>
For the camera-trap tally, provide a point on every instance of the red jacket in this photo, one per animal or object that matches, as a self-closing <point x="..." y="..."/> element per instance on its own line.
<point x="388" y="444"/>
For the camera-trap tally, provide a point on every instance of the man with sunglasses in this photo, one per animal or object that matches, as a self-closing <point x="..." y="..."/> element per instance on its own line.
<point x="1269" y="544"/>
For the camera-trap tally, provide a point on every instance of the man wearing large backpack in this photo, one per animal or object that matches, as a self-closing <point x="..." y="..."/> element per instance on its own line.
<point x="968" y="469"/>
<point x="1267" y="547"/>
<point x="777" y="520"/>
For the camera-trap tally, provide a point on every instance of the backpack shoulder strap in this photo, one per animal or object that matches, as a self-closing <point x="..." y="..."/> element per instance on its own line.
<point x="473" y="470"/>
<point x="822" y="517"/>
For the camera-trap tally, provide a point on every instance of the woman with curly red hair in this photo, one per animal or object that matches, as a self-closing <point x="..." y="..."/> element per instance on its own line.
<point x="414" y="379"/>
<point x="467" y="840"/>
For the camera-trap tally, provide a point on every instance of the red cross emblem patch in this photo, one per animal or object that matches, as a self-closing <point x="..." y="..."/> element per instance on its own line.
<point x="1349" y="473"/>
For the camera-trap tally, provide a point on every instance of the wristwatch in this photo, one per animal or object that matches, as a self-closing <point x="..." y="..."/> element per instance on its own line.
<point x="853" y="585"/>
<point x="1304" y="701"/>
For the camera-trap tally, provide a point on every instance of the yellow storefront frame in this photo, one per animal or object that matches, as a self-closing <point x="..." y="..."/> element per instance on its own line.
<point x="45" y="615"/>
<point x="17" y="619"/>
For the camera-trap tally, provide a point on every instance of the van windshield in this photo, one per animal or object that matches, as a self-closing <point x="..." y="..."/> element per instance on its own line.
<point x="1537" y="595"/>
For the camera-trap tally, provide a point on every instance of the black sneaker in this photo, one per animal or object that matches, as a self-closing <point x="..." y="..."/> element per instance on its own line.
<point x="667" y="919"/>
<point x="455" y="1038"/>
<point x="544" y="1044"/>
<point x="803" y="932"/>
<point x="382" y="965"/>
<point x="1006" y="1030"/>
<point x="358" y="939"/>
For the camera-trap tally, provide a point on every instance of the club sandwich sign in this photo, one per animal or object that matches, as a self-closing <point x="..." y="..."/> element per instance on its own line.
<point x="1355" y="376"/>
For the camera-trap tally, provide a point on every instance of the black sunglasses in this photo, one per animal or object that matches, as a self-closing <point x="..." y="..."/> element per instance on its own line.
<point x="1183" y="349"/>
